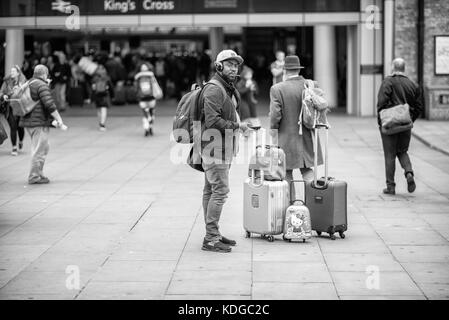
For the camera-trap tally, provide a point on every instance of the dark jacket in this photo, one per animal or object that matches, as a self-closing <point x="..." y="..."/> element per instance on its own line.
<point x="220" y="113"/>
<point x="285" y="108"/>
<point x="40" y="116"/>
<point x="398" y="89"/>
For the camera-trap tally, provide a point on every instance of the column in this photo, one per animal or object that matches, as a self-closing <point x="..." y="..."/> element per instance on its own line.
<point x="353" y="70"/>
<point x="325" y="61"/>
<point x="14" y="48"/>
<point x="388" y="35"/>
<point x="216" y="40"/>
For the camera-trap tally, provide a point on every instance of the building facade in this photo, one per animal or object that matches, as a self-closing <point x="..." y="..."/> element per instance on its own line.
<point x="359" y="38"/>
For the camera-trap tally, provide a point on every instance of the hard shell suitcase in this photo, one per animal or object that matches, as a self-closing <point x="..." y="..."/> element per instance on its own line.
<point x="264" y="203"/>
<point x="326" y="198"/>
<point x="264" y="206"/>
<point x="298" y="225"/>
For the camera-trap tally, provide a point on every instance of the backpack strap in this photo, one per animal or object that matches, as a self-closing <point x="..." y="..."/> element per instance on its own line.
<point x="214" y="82"/>
<point x="218" y="84"/>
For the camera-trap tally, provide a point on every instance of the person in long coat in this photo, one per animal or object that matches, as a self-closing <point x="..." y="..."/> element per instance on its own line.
<point x="285" y="108"/>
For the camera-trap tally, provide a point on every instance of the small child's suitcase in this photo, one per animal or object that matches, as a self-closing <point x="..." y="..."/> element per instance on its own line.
<point x="264" y="206"/>
<point x="326" y="198"/>
<point x="298" y="225"/>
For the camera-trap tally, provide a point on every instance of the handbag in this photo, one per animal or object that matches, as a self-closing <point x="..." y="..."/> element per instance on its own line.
<point x="156" y="89"/>
<point x="396" y="119"/>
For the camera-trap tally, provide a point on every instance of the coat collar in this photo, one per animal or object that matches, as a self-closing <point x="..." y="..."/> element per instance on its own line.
<point x="300" y="78"/>
<point x="229" y="86"/>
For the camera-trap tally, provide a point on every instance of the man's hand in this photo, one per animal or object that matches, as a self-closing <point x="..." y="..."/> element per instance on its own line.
<point x="243" y="126"/>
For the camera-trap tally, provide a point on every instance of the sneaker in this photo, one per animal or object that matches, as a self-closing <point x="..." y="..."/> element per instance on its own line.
<point x="411" y="185"/>
<point x="147" y="133"/>
<point x="216" y="246"/>
<point x="227" y="241"/>
<point x="20" y="145"/>
<point x="42" y="180"/>
<point x="14" y="152"/>
<point x="102" y="127"/>
<point x="389" y="190"/>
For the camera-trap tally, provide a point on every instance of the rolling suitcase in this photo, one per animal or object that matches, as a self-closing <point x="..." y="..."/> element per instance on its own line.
<point x="298" y="225"/>
<point x="326" y="198"/>
<point x="264" y="204"/>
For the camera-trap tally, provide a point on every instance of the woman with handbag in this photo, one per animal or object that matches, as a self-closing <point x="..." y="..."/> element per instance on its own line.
<point x="399" y="104"/>
<point x="10" y="82"/>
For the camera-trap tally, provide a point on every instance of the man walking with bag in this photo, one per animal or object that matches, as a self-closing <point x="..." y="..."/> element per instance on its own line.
<point x="219" y="119"/>
<point x="285" y="110"/>
<point x="398" y="92"/>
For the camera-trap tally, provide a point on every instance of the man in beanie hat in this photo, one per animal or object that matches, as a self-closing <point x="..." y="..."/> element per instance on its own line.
<point x="219" y="101"/>
<point x="285" y="108"/>
<point x="38" y="123"/>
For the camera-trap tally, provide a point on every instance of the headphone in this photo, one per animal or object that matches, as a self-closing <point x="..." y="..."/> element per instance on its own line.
<point x="219" y="66"/>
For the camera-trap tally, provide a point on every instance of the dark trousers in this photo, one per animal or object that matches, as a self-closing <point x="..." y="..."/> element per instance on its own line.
<point x="13" y="122"/>
<point x="396" y="146"/>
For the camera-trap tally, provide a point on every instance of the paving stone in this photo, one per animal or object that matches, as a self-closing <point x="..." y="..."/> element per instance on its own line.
<point x="123" y="291"/>
<point x="436" y="273"/>
<point x="206" y="297"/>
<point x="210" y="282"/>
<point x="365" y="283"/>
<point x="290" y="272"/>
<point x="438" y="254"/>
<point x="293" y="291"/>
<point x="382" y="298"/>
<point x="135" y="271"/>
<point x="361" y="261"/>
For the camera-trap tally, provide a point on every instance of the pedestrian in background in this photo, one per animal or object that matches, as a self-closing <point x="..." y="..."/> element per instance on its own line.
<point x="395" y="90"/>
<point x="38" y="123"/>
<point x="277" y="67"/>
<point x="102" y="90"/>
<point x="147" y="102"/>
<point x="14" y="79"/>
<point x="247" y="88"/>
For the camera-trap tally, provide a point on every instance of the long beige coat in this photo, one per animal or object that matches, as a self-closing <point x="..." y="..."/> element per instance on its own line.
<point x="285" y="107"/>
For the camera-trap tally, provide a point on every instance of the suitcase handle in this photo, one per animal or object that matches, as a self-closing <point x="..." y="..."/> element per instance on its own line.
<point x="253" y="178"/>
<point x="293" y="194"/>
<point x="315" y="157"/>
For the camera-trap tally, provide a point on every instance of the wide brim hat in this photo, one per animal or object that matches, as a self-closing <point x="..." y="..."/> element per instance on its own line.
<point x="229" y="55"/>
<point x="292" y="63"/>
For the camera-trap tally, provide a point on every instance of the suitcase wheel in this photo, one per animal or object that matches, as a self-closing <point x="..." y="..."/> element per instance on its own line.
<point x="270" y="239"/>
<point x="318" y="233"/>
<point x="248" y="234"/>
<point x="303" y="240"/>
<point x="332" y="236"/>
<point x="342" y="235"/>
<point x="283" y="237"/>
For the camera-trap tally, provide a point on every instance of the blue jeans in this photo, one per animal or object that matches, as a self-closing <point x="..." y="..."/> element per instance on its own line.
<point x="215" y="193"/>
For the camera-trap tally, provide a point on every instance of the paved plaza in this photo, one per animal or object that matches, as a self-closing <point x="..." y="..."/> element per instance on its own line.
<point x="123" y="217"/>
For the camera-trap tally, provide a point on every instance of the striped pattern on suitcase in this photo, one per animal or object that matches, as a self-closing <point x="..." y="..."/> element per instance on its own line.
<point x="264" y="206"/>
